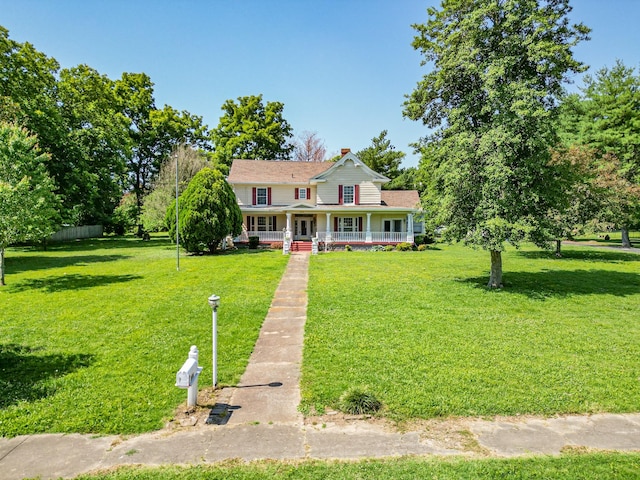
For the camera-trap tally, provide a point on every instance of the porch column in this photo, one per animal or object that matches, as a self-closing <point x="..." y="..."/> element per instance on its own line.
<point x="328" y="231"/>
<point x="287" y="234"/>
<point x="409" y="227"/>
<point x="368" y="238"/>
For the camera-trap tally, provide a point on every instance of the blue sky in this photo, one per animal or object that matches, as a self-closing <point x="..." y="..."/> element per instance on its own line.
<point x="341" y="67"/>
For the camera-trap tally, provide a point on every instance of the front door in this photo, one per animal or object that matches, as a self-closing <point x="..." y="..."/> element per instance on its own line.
<point x="303" y="227"/>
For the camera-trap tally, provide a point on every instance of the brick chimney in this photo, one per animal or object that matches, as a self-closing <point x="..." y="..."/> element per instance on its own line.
<point x="344" y="151"/>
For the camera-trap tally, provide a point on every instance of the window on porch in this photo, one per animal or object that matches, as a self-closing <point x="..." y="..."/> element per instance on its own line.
<point x="393" y="225"/>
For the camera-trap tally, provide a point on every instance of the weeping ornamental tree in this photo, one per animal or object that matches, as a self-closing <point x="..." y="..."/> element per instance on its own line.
<point x="498" y="68"/>
<point x="208" y="212"/>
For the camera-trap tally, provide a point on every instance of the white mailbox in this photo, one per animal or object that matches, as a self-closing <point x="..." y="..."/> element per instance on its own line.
<point x="187" y="375"/>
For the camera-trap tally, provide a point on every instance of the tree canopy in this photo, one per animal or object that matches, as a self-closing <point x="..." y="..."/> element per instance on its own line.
<point x="382" y="157"/>
<point x="498" y="68"/>
<point x="606" y="117"/>
<point x="250" y="129"/>
<point x="28" y="205"/>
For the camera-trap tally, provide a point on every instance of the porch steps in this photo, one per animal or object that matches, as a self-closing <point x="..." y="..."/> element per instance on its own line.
<point x="300" y="247"/>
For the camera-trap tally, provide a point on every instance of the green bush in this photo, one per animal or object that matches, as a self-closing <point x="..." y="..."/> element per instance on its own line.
<point x="254" y="241"/>
<point x="422" y="247"/>
<point x="347" y="248"/>
<point x="389" y="248"/>
<point x="124" y="217"/>
<point x="404" y="247"/>
<point x="208" y="212"/>
<point x="377" y="248"/>
<point x="425" y="239"/>
<point x="359" y="401"/>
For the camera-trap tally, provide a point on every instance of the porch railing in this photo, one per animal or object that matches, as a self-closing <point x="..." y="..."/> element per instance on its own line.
<point x="274" y="236"/>
<point x="360" y="237"/>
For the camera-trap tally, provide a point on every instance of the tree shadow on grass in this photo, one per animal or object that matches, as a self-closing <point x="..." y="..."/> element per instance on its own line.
<point x="17" y="263"/>
<point x="592" y="255"/>
<point x="24" y="373"/>
<point x="70" y="282"/>
<point x="565" y="283"/>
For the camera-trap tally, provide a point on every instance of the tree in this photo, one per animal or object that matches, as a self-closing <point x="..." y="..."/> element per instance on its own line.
<point x="29" y="208"/>
<point x="309" y="148"/>
<point x="98" y="142"/>
<point x="587" y="185"/>
<point x="154" y="210"/>
<point x="607" y="118"/>
<point x="382" y="157"/>
<point x="153" y="132"/>
<point x="208" y="212"/>
<point x="250" y="130"/>
<point x="498" y="71"/>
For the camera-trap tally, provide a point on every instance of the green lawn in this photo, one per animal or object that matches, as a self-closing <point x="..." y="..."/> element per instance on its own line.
<point x="428" y="339"/>
<point x="92" y="333"/>
<point x="570" y="467"/>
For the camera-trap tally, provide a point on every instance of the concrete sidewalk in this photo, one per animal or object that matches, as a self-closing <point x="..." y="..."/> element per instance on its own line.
<point x="263" y="421"/>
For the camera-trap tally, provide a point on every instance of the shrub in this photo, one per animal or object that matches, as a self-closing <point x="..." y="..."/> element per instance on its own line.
<point x="347" y="248"/>
<point x="359" y="401"/>
<point x="276" y="246"/>
<point x="422" y="248"/>
<point x="377" y="248"/>
<point x="404" y="247"/>
<point x="254" y="241"/>
<point x="388" y="248"/>
<point x="425" y="239"/>
<point x="209" y="212"/>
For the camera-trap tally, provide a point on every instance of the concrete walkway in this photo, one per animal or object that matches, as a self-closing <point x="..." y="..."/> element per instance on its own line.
<point x="262" y="421"/>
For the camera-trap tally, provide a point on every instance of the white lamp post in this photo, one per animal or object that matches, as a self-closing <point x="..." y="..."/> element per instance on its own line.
<point x="214" y="303"/>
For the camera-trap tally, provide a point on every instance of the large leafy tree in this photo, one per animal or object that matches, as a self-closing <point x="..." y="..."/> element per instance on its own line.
<point x="382" y="157"/>
<point x="29" y="208"/>
<point x="208" y="212"/>
<point x="153" y="132"/>
<point x="498" y="68"/>
<point x="249" y="129"/>
<point x="607" y="117"/>
<point x="98" y="142"/>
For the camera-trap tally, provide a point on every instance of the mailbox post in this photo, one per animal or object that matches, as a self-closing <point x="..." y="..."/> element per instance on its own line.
<point x="214" y="303"/>
<point x="187" y="376"/>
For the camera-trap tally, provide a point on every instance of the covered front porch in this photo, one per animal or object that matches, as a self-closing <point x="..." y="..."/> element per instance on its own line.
<point x="331" y="227"/>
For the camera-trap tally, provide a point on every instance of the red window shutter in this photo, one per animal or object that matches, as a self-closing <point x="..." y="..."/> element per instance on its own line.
<point x="359" y="223"/>
<point x="356" y="194"/>
<point x="340" y="200"/>
<point x="269" y="196"/>
<point x="297" y="195"/>
<point x="335" y="224"/>
<point x="308" y="193"/>
<point x="254" y="201"/>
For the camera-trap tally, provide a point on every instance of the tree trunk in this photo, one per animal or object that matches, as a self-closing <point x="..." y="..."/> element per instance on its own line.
<point x="626" y="243"/>
<point x="2" y="267"/>
<point x="495" y="281"/>
<point x="558" y="247"/>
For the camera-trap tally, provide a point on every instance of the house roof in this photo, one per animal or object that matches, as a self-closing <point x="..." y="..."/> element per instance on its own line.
<point x="375" y="176"/>
<point x="401" y="198"/>
<point x="272" y="171"/>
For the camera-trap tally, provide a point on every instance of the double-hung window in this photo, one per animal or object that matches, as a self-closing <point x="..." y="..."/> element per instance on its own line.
<point x="348" y="195"/>
<point x="302" y="194"/>
<point x="261" y="196"/>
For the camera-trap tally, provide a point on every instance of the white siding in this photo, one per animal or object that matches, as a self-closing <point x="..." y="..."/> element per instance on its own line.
<point x="348" y="174"/>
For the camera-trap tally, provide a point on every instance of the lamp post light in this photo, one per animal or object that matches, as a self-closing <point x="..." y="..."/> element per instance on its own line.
<point x="214" y="303"/>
